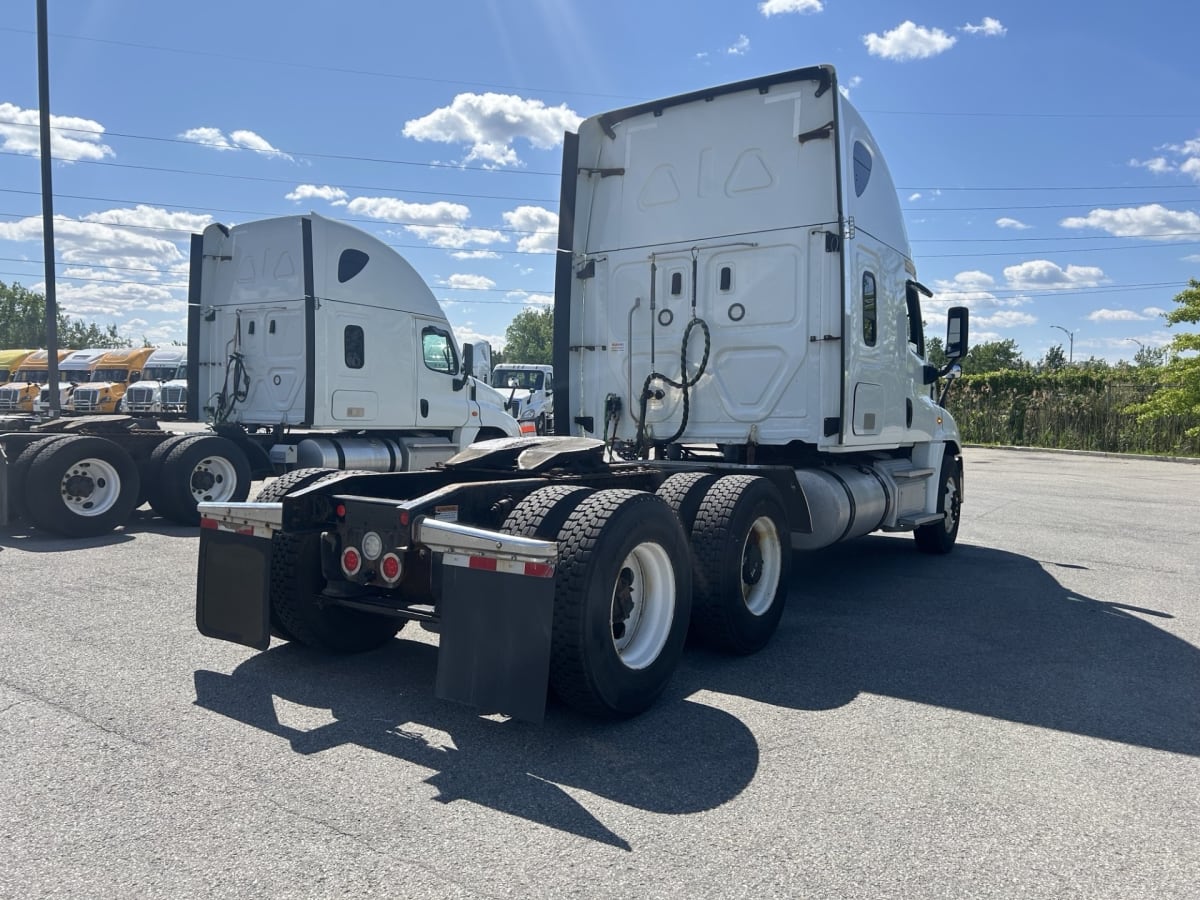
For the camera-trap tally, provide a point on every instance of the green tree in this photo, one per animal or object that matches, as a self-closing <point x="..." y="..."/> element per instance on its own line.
<point x="1179" y="394"/>
<point x="1150" y="357"/>
<point x="1054" y="360"/>
<point x="935" y="352"/>
<point x="993" y="356"/>
<point x="23" y="324"/>
<point x="529" y="338"/>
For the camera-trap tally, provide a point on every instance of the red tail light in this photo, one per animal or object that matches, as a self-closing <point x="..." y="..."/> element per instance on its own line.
<point x="390" y="568"/>
<point x="351" y="561"/>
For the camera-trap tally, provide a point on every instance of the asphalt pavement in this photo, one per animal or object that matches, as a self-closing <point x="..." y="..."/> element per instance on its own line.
<point x="1019" y="719"/>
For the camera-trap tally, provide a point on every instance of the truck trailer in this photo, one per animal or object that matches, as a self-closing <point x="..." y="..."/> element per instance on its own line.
<point x="742" y="374"/>
<point x="311" y="343"/>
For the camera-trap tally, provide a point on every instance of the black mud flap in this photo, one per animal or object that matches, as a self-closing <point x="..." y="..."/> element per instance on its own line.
<point x="233" y="588"/>
<point x="495" y="640"/>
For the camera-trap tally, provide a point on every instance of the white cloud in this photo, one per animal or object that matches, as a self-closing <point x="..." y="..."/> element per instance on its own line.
<point x="470" y="282"/>
<point x="541" y="225"/>
<point x="972" y="289"/>
<point x="1154" y="311"/>
<point x="1191" y="167"/>
<point x="989" y="27"/>
<point x="780" y="7"/>
<point x="1159" y="165"/>
<point x="539" y="300"/>
<point x="333" y="195"/>
<point x="467" y="333"/>
<point x="71" y="138"/>
<point x="914" y="197"/>
<point x="739" y="47"/>
<point x="1115" y="315"/>
<point x="909" y="41"/>
<point x="439" y="224"/>
<point x="475" y="254"/>
<point x="849" y="84"/>
<point x="237" y="140"/>
<point x="1005" y="318"/>
<point x="1152" y="221"/>
<point x="1041" y="274"/>
<point x="492" y="123"/>
<point x="1017" y="224"/>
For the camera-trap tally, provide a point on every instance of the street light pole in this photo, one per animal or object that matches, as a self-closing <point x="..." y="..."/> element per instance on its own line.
<point x="1070" y="342"/>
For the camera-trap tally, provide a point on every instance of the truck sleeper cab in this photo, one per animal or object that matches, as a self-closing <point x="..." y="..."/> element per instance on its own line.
<point x="111" y="377"/>
<point x="145" y="397"/>
<point x="738" y="320"/>
<point x="24" y="389"/>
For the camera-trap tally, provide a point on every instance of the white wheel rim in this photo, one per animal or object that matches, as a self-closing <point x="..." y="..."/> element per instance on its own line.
<point x="649" y="578"/>
<point x="213" y="480"/>
<point x="761" y="565"/>
<point x="90" y="487"/>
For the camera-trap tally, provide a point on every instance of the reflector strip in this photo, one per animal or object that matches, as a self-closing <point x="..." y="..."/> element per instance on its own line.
<point x="492" y="564"/>
<point x="248" y="530"/>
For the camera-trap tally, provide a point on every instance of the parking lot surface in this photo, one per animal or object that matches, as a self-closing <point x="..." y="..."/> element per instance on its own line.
<point x="1018" y="719"/>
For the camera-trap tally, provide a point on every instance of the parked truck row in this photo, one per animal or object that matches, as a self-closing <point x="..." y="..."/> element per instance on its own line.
<point x="740" y="351"/>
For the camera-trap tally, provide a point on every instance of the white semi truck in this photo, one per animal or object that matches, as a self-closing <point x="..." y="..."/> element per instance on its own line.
<point x="528" y="390"/>
<point x="166" y="365"/>
<point x="310" y="343"/>
<point x="738" y="334"/>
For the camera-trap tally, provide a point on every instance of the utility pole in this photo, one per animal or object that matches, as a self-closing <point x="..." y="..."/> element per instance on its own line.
<point x="47" y="208"/>
<point x="1070" y="342"/>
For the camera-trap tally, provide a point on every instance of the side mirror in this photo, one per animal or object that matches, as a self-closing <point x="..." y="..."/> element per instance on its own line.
<point x="468" y="363"/>
<point x="956" y="332"/>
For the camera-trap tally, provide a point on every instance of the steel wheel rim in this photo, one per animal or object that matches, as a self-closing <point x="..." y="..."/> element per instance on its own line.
<point x="90" y="487"/>
<point x="763" y="547"/>
<point x="951" y="505"/>
<point x="213" y="480"/>
<point x="648" y="575"/>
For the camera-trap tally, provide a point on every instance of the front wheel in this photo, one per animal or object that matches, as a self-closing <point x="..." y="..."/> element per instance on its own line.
<point x="621" y="605"/>
<point x="940" y="537"/>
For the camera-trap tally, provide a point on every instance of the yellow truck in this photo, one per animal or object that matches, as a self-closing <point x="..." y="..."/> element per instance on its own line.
<point x="25" y="388"/>
<point x="10" y="361"/>
<point x="112" y="375"/>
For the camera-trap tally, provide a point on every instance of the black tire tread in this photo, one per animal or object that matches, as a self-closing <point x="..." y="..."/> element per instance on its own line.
<point x="177" y="497"/>
<point x="46" y="473"/>
<point x="18" y="474"/>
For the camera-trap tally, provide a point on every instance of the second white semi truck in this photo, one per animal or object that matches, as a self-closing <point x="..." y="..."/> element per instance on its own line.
<point x="740" y="347"/>
<point x="310" y="343"/>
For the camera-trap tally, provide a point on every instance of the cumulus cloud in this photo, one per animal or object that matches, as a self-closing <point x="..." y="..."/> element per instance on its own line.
<point x="1017" y="224"/>
<point x="1116" y="315"/>
<point x="439" y="224"/>
<point x="1159" y="165"/>
<point x="780" y="7"/>
<point x="467" y="333"/>
<point x="989" y="27"/>
<point x="71" y="138"/>
<point x="470" y="282"/>
<point x="475" y="254"/>
<point x="972" y="289"/>
<point x="236" y="140"/>
<point x="491" y="124"/>
<point x="849" y="84"/>
<point x="739" y="47"/>
<point x="541" y="226"/>
<point x="1152" y="221"/>
<point x="908" y="41"/>
<point x="1043" y="275"/>
<point x="529" y="299"/>
<point x="326" y="192"/>
<point x="1184" y="158"/>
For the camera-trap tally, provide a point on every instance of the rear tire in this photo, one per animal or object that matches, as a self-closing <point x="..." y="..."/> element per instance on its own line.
<point x="741" y="548"/>
<point x="82" y="486"/>
<point x="543" y="513"/>
<point x="206" y="468"/>
<point x="940" y="537"/>
<point x="684" y="492"/>
<point x="621" y="603"/>
<point x="19" y="475"/>
<point x="298" y="611"/>
<point x="152" y="473"/>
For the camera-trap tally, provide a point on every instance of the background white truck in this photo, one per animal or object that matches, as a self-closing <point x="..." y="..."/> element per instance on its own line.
<point x="166" y="365"/>
<point x="311" y="343"/>
<point x="75" y="369"/>
<point x="528" y="390"/>
<point x="737" y="320"/>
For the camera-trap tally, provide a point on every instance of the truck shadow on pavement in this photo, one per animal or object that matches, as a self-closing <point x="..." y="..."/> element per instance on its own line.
<point x="980" y="631"/>
<point x="680" y="757"/>
<point x="20" y="536"/>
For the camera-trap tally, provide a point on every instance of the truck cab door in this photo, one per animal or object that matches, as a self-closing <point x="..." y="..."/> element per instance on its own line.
<point x="440" y="402"/>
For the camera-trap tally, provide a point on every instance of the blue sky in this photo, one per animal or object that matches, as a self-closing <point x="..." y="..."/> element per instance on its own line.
<point x="1047" y="155"/>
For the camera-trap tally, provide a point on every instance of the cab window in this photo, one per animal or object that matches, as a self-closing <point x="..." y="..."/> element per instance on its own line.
<point x="438" y="350"/>
<point x="869" y="309"/>
<point x="916" y="332"/>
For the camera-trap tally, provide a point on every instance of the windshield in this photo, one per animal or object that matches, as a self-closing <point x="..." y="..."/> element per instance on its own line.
<point x="526" y="380"/>
<point x="4" y="375"/>
<point x="37" y="376"/>
<point x="78" y="376"/>
<point x="158" y="373"/>
<point x="118" y="375"/>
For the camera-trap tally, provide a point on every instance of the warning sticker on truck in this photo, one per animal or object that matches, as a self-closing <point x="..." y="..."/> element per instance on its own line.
<point x="446" y="513"/>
